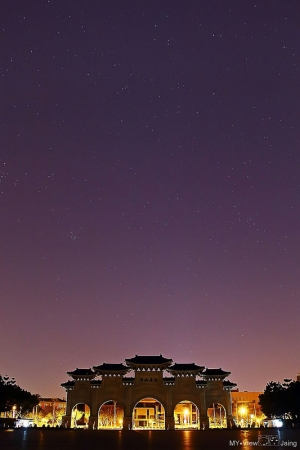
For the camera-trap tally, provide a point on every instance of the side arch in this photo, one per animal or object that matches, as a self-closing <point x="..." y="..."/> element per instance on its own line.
<point x="80" y="415"/>
<point x="217" y="416"/>
<point x="110" y="415"/>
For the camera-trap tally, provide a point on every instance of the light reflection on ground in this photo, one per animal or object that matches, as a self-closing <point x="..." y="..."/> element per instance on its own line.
<point x="55" y="439"/>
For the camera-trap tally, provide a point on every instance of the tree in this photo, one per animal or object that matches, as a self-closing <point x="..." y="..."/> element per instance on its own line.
<point x="272" y="401"/>
<point x="281" y="400"/>
<point x="11" y="395"/>
<point x="293" y="400"/>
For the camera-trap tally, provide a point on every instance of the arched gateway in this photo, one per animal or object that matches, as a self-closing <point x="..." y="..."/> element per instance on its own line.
<point x="80" y="416"/>
<point x="217" y="416"/>
<point x="110" y="416"/>
<point x="148" y="414"/>
<point x="160" y="395"/>
<point x="186" y="416"/>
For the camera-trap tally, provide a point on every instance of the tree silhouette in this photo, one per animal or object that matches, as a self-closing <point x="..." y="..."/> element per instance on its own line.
<point x="12" y="395"/>
<point x="281" y="400"/>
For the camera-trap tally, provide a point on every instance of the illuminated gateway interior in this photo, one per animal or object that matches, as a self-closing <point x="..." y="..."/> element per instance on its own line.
<point x="148" y="392"/>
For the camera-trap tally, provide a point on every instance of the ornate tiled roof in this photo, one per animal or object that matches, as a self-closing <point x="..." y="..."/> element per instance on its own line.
<point x="229" y="385"/>
<point x="149" y="361"/>
<point x="139" y="359"/>
<point x="215" y="373"/>
<point x="95" y="384"/>
<point x="68" y="384"/>
<point x="82" y="373"/>
<point x="191" y="368"/>
<point x="111" y="368"/>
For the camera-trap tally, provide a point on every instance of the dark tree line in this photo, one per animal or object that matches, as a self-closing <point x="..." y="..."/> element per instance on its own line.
<point x="281" y="400"/>
<point x="12" y="395"/>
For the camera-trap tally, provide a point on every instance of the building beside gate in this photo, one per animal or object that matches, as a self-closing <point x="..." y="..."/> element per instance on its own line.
<point x="246" y="408"/>
<point x="160" y="394"/>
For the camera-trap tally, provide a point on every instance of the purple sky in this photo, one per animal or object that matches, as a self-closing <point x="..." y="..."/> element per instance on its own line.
<point x="149" y="186"/>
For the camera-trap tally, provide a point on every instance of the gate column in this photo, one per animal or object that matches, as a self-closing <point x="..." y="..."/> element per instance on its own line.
<point x="127" y="425"/>
<point x="169" y="423"/>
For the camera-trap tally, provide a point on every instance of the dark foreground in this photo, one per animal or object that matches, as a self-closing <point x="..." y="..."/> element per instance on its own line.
<point x="52" y="439"/>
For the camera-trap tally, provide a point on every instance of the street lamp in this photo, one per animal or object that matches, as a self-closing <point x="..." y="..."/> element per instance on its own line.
<point x="243" y="412"/>
<point x="186" y="416"/>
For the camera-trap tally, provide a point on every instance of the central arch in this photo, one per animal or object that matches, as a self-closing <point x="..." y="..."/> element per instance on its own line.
<point x="186" y="416"/>
<point x="148" y="414"/>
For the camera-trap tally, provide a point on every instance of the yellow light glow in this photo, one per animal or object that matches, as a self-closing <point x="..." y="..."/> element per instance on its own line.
<point x="243" y="410"/>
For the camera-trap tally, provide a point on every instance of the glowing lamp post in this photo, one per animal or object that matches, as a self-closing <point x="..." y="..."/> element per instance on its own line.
<point x="186" y="416"/>
<point x="243" y="413"/>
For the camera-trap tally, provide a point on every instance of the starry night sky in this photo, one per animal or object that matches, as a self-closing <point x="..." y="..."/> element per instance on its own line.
<point x="149" y="186"/>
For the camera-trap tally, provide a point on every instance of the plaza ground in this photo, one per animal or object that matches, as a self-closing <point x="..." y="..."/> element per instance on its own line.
<point x="49" y="439"/>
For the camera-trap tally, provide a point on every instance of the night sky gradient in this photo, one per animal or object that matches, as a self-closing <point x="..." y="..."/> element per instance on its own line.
<point x="149" y="186"/>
